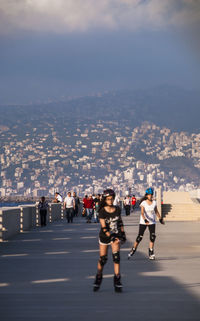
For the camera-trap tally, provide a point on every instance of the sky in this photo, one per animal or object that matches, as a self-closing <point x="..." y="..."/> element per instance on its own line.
<point x="54" y="49"/>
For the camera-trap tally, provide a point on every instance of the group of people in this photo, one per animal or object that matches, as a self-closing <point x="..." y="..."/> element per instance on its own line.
<point x="71" y="206"/>
<point x="91" y="205"/>
<point x="112" y="233"/>
<point x="106" y="210"/>
<point x="129" y="202"/>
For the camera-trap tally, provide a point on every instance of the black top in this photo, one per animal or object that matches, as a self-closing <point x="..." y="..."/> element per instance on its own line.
<point x="113" y="221"/>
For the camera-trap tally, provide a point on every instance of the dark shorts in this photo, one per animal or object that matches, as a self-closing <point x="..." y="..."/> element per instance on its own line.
<point x="103" y="239"/>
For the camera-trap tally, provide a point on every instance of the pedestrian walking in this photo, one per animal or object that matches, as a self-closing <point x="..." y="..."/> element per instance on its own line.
<point x="127" y="204"/>
<point x="149" y="212"/>
<point x="84" y="205"/>
<point x="69" y="206"/>
<point x="89" y="205"/>
<point x="96" y="208"/>
<point x="77" y="203"/>
<point x="111" y="233"/>
<point x="43" y="207"/>
<point x="133" y="202"/>
<point x="116" y="201"/>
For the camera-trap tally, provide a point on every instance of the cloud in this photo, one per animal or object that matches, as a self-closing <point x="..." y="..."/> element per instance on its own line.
<point x="66" y="16"/>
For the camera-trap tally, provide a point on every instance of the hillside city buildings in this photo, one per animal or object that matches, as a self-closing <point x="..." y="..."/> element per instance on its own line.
<point x="90" y="157"/>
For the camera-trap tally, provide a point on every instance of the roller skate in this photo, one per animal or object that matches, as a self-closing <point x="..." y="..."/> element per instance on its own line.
<point x="132" y="251"/>
<point x="151" y="254"/>
<point x="117" y="283"/>
<point x="97" y="282"/>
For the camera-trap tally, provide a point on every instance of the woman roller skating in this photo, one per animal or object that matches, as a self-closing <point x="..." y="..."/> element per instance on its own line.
<point x="149" y="212"/>
<point x="111" y="233"/>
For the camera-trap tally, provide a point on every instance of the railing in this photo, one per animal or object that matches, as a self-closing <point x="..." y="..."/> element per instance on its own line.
<point x="14" y="220"/>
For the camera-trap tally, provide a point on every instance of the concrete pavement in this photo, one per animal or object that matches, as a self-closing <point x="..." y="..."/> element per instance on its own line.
<point x="47" y="274"/>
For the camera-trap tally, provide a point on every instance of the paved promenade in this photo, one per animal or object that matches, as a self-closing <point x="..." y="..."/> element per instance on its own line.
<point x="47" y="274"/>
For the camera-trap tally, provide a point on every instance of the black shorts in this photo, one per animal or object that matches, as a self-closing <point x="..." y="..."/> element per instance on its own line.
<point x="142" y="228"/>
<point x="103" y="239"/>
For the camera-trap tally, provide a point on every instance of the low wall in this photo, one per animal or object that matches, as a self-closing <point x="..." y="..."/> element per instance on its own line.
<point x="14" y="220"/>
<point x="177" y="198"/>
<point x="28" y="217"/>
<point x="55" y="212"/>
<point x="10" y="222"/>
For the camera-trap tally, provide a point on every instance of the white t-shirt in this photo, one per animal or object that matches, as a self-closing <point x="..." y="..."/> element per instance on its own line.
<point x="149" y="212"/>
<point x="116" y="201"/>
<point x="127" y="201"/>
<point x="59" y="198"/>
<point x="69" y="201"/>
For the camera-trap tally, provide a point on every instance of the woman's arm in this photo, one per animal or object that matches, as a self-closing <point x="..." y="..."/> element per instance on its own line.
<point x="159" y="216"/>
<point x="142" y="213"/>
<point x="157" y="213"/>
<point x="103" y="226"/>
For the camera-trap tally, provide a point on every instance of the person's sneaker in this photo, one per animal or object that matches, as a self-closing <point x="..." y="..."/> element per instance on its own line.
<point x="132" y="251"/>
<point x="97" y="282"/>
<point x="117" y="283"/>
<point x="151" y="254"/>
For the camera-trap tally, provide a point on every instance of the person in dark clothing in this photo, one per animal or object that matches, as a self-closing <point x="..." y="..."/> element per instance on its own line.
<point x="96" y="208"/>
<point x="43" y="207"/>
<point x="77" y="203"/>
<point x="111" y="233"/>
<point x="84" y="205"/>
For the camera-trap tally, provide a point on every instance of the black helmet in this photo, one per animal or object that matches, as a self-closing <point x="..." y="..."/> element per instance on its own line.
<point x="109" y="192"/>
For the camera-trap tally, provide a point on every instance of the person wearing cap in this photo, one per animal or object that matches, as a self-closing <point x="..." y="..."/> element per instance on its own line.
<point x="149" y="212"/>
<point x="111" y="233"/>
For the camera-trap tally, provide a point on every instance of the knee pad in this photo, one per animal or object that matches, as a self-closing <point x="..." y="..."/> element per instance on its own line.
<point x="103" y="260"/>
<point x="152" y="237"/>
<point x="116" y="257"/>
<point x="139" y="238"/>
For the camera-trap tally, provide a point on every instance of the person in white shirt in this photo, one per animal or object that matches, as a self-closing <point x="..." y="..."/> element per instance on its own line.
<point x="149" y="212"/>
<point x="58" y="198"/>
<point x="127" y="204"/>
<point x="69" y="206"/>
<point x="116" y="201"/>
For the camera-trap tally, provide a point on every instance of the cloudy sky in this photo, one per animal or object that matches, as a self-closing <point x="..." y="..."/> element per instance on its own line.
<point x="58" y="48"/>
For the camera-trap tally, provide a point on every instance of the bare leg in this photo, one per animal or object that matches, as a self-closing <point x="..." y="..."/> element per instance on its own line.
<point x="151" y="245"/>
<point x="135" y="245"/>
<point x="103" y="250"/>
<point x="115" y="248"/>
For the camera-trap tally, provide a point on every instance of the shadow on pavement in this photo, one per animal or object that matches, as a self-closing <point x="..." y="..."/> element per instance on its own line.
<point x="54" y="281"/>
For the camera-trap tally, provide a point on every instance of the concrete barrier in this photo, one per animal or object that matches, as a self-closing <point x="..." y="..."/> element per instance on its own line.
<point x="10" y="222"/>
<point x="55" y="211"/>
<point x="35" y="216"/>
<point x="28" y="217"/>
<point x="14" y="220"/>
